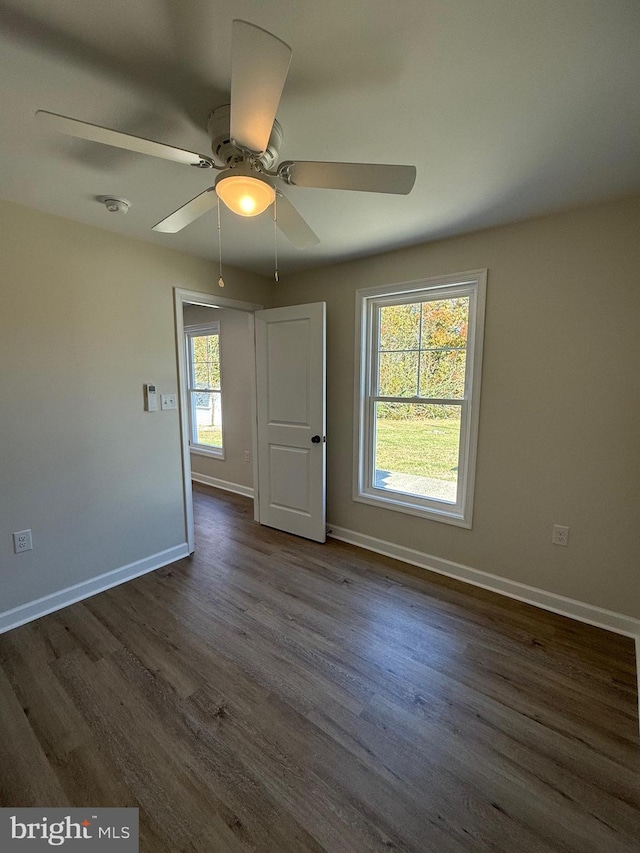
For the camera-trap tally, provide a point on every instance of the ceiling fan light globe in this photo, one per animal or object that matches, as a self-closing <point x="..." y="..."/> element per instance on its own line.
<point x="245" y="195"/>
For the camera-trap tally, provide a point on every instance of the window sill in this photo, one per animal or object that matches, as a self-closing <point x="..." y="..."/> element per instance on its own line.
<point x="446" y="515"/>
<point x="213" y="452"/>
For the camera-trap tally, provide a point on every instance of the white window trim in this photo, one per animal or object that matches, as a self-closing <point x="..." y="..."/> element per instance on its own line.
<point x="191" y="331"/>
<point x="473" y="284"/>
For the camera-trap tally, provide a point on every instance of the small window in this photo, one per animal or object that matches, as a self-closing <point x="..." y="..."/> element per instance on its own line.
<point x="418" y="394"/>
<point x="204" y="388"/>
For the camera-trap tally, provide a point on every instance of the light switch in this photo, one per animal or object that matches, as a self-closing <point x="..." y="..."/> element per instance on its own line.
<point x="168" y="401"/>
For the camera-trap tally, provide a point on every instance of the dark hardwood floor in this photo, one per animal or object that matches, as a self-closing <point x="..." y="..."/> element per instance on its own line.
<point x="272" y="694"/>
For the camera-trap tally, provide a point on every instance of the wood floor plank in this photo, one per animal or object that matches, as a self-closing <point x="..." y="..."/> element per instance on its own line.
<point x="232" y="790"/>
<point x="147" y="759"/>
<point x="274" y="695"/>
<point x="324" y="811"/>
<point x="26" y="775"/>
<point x="53" y="717"/>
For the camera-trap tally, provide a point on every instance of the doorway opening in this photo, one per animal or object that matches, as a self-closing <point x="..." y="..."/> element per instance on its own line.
<point x="285" y="364"/>
<point x="218" y="438"/>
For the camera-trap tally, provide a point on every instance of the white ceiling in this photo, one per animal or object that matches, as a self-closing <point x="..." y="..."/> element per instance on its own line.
<point x="508" y="108"/>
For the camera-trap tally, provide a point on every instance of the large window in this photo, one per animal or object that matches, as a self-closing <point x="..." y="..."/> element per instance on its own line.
<point x="417" y="400"/>
<point x="205" y="388"/>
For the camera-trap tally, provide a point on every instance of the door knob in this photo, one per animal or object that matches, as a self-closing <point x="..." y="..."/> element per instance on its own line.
<point x="316" y="439"/>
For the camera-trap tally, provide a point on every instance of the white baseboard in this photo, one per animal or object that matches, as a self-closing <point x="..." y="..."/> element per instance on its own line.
<point x="589" y="613"/>
<point x="64" y="597"/>
<point x="225" y="485"/>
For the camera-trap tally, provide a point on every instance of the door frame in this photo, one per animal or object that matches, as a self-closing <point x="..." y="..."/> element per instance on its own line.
<point x="210" y="300"/>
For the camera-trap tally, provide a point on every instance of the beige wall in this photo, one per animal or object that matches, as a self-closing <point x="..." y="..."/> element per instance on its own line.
<point x="236" y="355"/>
<point x="559" y="424"/>
<point x="87" y="317"/>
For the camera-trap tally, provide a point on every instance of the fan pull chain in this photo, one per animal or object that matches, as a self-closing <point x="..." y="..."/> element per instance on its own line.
<point x="275" y="234"/>
<point x="220" y="280"/>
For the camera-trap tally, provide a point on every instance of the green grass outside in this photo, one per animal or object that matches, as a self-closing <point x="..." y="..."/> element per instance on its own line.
<point x="427" y="447"/>
<point x="210" y="436"/>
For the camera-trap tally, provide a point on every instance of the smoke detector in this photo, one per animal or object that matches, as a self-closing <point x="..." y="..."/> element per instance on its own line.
<point x="115" y="204"/>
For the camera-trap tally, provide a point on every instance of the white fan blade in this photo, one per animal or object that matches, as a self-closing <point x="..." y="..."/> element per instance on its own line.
<point x="259" y="67"/>
<point x="189" y="212"/>
<point x="293" y="225"/>
<point x="95" y="133"/>
<point x="365" y="177"/>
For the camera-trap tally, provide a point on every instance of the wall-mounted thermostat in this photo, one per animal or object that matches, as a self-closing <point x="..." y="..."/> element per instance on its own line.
<point x="150" y="398"/>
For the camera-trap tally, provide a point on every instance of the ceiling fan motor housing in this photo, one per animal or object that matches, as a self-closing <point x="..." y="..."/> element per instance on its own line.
<point x="225" y="152"/>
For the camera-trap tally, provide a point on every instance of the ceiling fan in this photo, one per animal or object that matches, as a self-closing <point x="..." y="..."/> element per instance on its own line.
<point x="245" y="140"/>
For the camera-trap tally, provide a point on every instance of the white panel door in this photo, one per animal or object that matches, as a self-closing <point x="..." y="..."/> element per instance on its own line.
<point x="290" y="374"/>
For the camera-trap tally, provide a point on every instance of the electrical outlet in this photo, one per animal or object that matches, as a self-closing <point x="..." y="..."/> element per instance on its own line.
<point x="560" y="535"/>
<point x="22" y="541"/>
<point x="168" y="401"/>
<point x="247" y="456"/>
